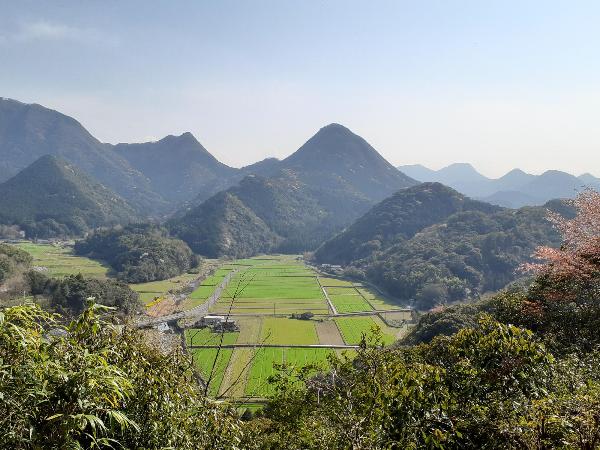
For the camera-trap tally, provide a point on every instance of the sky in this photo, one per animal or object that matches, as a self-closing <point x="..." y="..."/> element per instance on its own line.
<point x="499" y="84"/>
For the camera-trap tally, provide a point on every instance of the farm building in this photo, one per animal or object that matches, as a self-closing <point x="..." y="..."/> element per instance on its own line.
<point x="217" y="323"/>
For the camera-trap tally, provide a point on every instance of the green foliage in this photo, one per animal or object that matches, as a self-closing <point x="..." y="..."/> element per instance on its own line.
<point x="224" y="226"/>
<point x="54" y="198"/>
<point x="139" y="253"/>
<point x="89" y="386"/>
<point x="457" y="392"/>
<point x="444" y="322"/>
<point x="12" y="259"/>
<point x="69" y="295"/>
<point x="433" y="245"/>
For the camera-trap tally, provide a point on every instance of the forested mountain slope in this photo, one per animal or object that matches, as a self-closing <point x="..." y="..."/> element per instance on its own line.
<point x="431" y="244"/>
<point x="307" y="197"/>
<point x="179" y="167"/>
<point x="52" y="197"/>
<point x="29" y="131"/>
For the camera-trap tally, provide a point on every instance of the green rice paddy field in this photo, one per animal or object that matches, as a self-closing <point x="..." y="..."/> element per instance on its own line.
<point x="59" y="261"/>
<point x="261" y="296"/>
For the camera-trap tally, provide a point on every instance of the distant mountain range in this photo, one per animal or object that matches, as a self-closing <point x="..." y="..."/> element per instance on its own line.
<point x="430" y="244"/>
<point x="29" y="131"/>
<point x="296" y="203"/>
<point x="513" y="190"/>
<point x="52" y="197"/>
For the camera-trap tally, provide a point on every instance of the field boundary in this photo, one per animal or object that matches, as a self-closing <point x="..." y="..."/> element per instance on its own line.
<point x="198" y="310"/>
<point x="332" y="346"/>
<point x="333" y="310"/>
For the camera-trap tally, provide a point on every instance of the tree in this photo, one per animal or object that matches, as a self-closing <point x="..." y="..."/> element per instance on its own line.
<point x="578" y="258"/>
<point x="89" y="385"/>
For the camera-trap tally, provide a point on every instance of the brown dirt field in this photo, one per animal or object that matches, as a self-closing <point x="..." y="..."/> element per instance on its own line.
<point x="163" y="308"/>
<point x="328" y="333"/>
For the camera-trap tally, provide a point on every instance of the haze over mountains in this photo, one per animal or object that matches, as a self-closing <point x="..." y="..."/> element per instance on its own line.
<point x="52" y="197"/>
<point x="513" y="190"/>
<point x="296" y="203"/>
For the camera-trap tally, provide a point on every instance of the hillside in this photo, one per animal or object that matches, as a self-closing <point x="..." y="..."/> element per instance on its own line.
<point x="29" y="131"/>
<point x="179" y="167"/>
<point x="224" y="226"/>
<point x="309" y="196"/>
<point x="138" y="253"/>
<point x="431" y="244"/>
<point x="52" y="197"/>
<point x="514" y="189"/>
<point x="337" y="159"/>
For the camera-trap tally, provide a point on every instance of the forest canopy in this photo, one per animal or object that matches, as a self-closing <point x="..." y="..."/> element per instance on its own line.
<point x="139" y="252"/>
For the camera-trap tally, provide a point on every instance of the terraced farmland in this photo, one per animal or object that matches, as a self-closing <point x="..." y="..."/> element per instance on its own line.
<point x="347" y="299"/>
<point x="155" y="289"/>
<point x="276" y="330"/>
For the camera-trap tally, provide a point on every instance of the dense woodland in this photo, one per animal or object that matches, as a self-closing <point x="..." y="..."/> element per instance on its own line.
<point x="12" y="260"/>
<point x="139" y="252"/>
<point x="432" y="245"/>
<point x="63" y="201"/>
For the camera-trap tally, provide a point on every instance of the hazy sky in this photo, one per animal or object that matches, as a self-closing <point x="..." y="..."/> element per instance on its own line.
<point x="500" y="84"/>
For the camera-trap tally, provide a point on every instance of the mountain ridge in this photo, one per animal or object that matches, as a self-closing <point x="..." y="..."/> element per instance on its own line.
<point x="63" y="200"/>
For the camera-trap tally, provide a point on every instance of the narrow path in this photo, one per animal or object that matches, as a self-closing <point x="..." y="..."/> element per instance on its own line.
<point x="197" y="311"/>
<point x="333" y="310"/>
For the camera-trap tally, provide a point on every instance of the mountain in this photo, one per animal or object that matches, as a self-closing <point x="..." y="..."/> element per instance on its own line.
<point x="29" y="131"/>
<point x="293" y="214"/>
<point x="589" y="179"/>
<point x="461" y="176"/>
<point x="398" y="217"/>
<point x="336" y="158"/>
<point x="515" y="179"/>
<point x="52" y="197"/>
<point x="433" y="245"/>
<point x="266" y="167"/>
<point x="511" y="199"/>
<point x="179" y="167"/>
<point x="307" y="197"/>
<point x="514" y="189"/>
<point x="224" y="226"/>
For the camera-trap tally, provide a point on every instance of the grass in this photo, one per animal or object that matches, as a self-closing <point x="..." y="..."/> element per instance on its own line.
<point x="353" y="328"/>
<point x="349" y="303"/>
<point x="204" y="336"/>
<point x="326" y="281"/>
<point x="204" y="359"/>
<point x="289" y="331"/>
<point x="150" y="291"/>
<point x="263" y="366"/>
<point x="60" y="261"/>
<point x="377" y="300"/>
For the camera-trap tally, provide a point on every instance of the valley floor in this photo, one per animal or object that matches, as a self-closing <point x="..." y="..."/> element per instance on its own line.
<point x="260" y="298"/>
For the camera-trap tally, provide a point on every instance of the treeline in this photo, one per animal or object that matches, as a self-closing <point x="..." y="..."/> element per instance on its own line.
<point x="12" y="260"/>
<point x="139" y="253"/>
<point x="69" y="295"/>
<point x="432" y="245"/>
